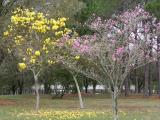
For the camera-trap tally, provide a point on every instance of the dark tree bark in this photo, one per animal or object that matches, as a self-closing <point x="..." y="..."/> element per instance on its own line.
<point x="86" y="84"/>
<point x="127" y="87"/>
<point x="146" y="91"/>
<point x="150" y="81"/>
<point x="47" y="88"/>
<point x="94" y="86"/>
<point x="136" y="84"/>
<point x="13" y="88"/>
<point x="158" y="64"/>
<point x="21" y="84"/>
<point x="140" y="86"/>
<point x="1" y="55"/>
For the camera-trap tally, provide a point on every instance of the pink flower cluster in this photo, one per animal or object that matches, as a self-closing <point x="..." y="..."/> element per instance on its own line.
<point x="131" y="15"/>
<point x="117" y="36"/>
<point x="82" y="44"/>
<point x="120" y="51"/>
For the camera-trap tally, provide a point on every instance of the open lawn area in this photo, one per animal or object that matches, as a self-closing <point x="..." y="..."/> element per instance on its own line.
<point x="96" y="108"/>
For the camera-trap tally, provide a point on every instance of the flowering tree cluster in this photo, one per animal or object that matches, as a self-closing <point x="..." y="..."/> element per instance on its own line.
<point x="31" y="36"/>
<point x="118" y="46"/>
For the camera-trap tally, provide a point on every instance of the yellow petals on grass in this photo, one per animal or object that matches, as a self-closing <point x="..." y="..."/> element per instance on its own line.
<point x="60" y="115"/>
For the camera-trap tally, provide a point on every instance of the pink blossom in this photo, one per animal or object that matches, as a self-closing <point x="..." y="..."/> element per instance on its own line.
<point x="113" y="57"/>
<point x="120" y="51"/>
<point x="146" y="28"/>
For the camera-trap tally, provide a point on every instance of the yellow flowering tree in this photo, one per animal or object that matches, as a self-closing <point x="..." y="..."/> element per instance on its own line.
<point x="31" y="36"/>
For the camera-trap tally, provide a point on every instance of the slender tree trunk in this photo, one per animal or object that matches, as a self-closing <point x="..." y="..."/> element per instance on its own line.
<point x="37" y="93"/>
<point x="13" y="89"/>
<point x="150" y="81"/>
<point x="21" y="84"/>
<point x="140" y="85"/>
<point x="158" y="64"/>
<point x="86" y="85"/>
<point x="114" y="95"/>
<point x="47" y="88"/>
<point x="94" y="86"/>
<point x="86" y="89"/>
<point x="158" y="67"/>
<point x="136" y="80"/>
<point x="79" y="93"/>
<point x="146" y="91"/>
<point x="136" y="85"/>
<point x="127" y="87"/>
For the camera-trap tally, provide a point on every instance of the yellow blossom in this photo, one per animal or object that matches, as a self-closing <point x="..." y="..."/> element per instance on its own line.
<point x="6" y="33"/>
<point x="24" y="59"/>
<point x="59" y="33"/>
<point x="46" y="41"/>
<point x="37" y="53"/>
<point x="63" y="19"/>
<point x="55" y="27"/>
<point x="29" y="51"/>
<point x="22" y="66"/>
<point x="33" y="61"/>
<point x="77" y="57"/>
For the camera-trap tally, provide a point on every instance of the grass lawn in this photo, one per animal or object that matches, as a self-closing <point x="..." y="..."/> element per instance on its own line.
<point x="96" y="108"/>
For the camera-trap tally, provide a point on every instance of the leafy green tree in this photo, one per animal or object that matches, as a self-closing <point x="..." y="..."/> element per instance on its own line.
<point x="153" y="7"/>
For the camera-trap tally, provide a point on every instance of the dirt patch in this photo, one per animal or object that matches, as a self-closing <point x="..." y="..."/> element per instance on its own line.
<point x="7" y="102"/>
<point x="142" y="97"/>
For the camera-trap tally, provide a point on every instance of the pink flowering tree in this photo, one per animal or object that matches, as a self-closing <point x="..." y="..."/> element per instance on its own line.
<point x="118" y="46"/>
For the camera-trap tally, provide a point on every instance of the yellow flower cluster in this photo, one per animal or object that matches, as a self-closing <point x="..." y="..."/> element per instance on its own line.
<point x="77" y="57"/>
<point x="18" y="40"/>
<point x="22" y="66"/>
<point x="6" y="33"/>
<point x="34" y="36"/>
<point x="50" y="62"/>
<point x="29" y="51"/>
<point x="38" y="22"/>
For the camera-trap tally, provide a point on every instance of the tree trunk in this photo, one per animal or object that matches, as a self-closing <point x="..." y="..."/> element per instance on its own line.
<point x="158" y="67"/>
<point x="136" y="84"/>
<point x="127" y="87"/>
<point x="79" y="93"/>
<point x="86" y="85"/>
<point x="46" y="88"/>
<point x="94" y="86"/>
<point x="13" y="89"/>
<point x="146" y="92"/>
<point x="37" y="93"/>
<point x="158" y="64"/>
<point x="115" y="104"/>
<point x="150" y="80"/>
<point x="21" y="84"/>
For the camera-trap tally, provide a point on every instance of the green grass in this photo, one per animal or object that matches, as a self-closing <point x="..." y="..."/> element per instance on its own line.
<point x="96" y="108"/>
